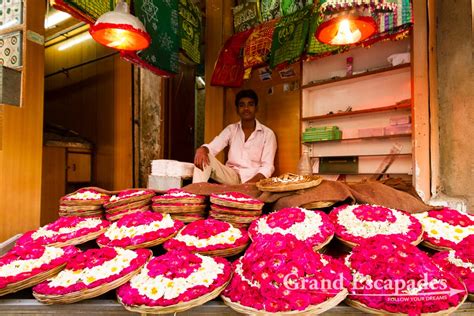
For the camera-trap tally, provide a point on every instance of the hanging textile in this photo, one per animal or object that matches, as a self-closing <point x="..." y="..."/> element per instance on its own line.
<point x="394" y="25"/>
<point x="288" y="7"/>
<point x="258" y="45"/>
<point x="190" y="29"/>
<point x="270" y="9"/>
<point x="289" y="37"/>
<point x="246" y="16"/>
<point x="229" y="68"/>
<point x="160" y="18"/>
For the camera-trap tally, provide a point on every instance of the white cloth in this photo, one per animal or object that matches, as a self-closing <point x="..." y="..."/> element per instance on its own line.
<point x="256" y="155"/>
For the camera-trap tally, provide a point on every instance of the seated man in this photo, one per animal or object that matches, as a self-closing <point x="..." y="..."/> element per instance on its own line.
<point x="252" y="148"/>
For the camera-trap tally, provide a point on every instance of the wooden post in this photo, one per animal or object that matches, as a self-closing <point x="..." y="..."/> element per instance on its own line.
<point x="421" y="101"/>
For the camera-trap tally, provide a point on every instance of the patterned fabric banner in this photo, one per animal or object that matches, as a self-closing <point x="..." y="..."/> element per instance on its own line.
<point x="258" y="45"/>
<point x="289" y="37"/>
<point x="190" y="29"/>
<point x="245" y="16"/>
<point x="270" y="9"/>
<point x="160" y="18"/>
<point x="288" y="7"/>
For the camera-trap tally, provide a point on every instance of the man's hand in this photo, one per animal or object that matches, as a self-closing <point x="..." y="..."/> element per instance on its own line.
<point x="256" y="178"/>
<point x="201" y="159"/>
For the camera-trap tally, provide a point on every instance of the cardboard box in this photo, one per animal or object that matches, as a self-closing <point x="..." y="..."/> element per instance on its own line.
<point x="400" y="120"/>
<point x="398" y="129"/>
<point x="164" y="183"/>
<point x="342" y="165"/>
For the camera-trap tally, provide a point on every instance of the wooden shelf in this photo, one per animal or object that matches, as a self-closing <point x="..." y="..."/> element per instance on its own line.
<point x="358" y="138"/>
<point x="363" y="155"/>
<point x="358" y="112"/>
<point x="360" y="75"/>
<point x="14" y="28"/>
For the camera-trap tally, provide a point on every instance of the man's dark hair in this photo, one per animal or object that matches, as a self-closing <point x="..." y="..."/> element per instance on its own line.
<point x="246" y="94"/>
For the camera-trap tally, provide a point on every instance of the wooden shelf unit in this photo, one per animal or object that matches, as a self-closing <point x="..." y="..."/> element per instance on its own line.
<point x="358" y="112"/>
<point x="359" y="138"/>
<point x="356" y="76"/>
<point x="364" y="155"/>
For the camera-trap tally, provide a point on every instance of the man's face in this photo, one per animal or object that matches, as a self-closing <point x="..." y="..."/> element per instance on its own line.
<point x="246" y="109"/>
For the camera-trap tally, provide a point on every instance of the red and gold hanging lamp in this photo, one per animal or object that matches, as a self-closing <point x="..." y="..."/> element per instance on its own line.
<point x="349" y="21"/>
<point x="120" y="30"/>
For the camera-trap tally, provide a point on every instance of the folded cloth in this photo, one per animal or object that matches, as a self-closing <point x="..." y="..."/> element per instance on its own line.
<point x="373" y="192"/>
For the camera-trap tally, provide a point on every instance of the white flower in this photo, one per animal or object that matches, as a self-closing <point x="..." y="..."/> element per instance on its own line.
<point x="20" y="266"/>
<point x="86" y="223"/>
<point x="436" y="228"/>
<point x="115" y="232"/>
<point x="226" y="237"/>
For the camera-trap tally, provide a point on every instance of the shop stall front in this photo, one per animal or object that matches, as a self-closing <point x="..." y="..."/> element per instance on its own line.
<point x="343" y="226"/>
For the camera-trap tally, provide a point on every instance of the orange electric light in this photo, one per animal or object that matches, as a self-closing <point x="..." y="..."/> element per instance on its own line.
<point x="345" y="30"/>
<point x="120" y="30"/>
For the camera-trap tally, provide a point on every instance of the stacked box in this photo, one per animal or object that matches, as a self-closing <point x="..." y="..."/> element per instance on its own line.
<point x="318" y="134"/>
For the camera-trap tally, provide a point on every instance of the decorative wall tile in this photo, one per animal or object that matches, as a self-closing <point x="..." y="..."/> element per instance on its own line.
<point x="10" y="13"/>
<point x="10" y="49"/>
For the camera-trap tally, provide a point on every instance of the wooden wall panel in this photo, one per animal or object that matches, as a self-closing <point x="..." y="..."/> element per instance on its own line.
<point x="280" y="111"/>
<point x="54" y="179"/>
<point x="20" y="157"/>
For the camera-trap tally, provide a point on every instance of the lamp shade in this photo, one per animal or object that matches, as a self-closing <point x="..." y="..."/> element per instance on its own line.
<point x="346" y="30"/>
<point x="120" y="30"/>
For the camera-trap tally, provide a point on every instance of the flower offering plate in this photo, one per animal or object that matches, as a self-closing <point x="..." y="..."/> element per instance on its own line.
<point x="288" y="182"/>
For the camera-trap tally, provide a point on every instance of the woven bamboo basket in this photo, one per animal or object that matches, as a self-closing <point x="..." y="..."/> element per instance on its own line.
<point x="321" y="246"/>
<point x="124" y="207"/>
<point x="181" y="307"/>
<point x="30" y="282"/>
<point x="132" y="199"/>
<point x="273" y="185"/>
<point x="434" y="247"/>
<point x="87" y="293"/>
<point x="81" y="214"/>
<point x="233" y="218"/>
<point x="235" y="211"/>
<point x="188" y="200"/>
<point x="80" y="239"/>
<point x="224" y="252"/>
<point x="236" y="204"/>
<point x="352" y="244"/>
<point x="170" y="209"/>
<point x="69" y="208"/>
<point x="147" y="244"/>
<point x="318" y="204"/>
<point x="311" y="310"/>
<point x="82" y="202"/>
<point x="118" y="215"/>
<point x="186" y="218"/>
<point x="366" y="309"/>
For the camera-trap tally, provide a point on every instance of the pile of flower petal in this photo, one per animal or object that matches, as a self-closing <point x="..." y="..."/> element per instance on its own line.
<point x="86" y="202"/>
<point x="72" y="230"/>
<point x="184" y="206"/>
<point x="210" y="236"/>
<point x="460" y="262"/>
<point x="175" y="278"/>
<point x="128" y="202"/>
<point x="26" y="263"/>
<point x="236" y="208"/>
<point x="140" y="230"/>
<point x="355" y="223"/>
<point x="313" y="227"/>
<point x="281" y="274"/>
<point x="391" y="275"/>
<point x="445" y="228"/>
<point x="88" y="271"/>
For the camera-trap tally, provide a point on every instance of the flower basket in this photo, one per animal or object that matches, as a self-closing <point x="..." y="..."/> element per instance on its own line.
<point x="445" y="228"/>
<point x="140" y="230"/>
<point x="236" y="200"/>
<point x="188" y="217"/>
<point x="85" y="197"/>
<point x="175" y="282"/>
<point x="218" y="209"/>
<point x="129" y="196"/>
<point x="391" y="276"/>
<point x="66" y="231"/>
<point x="280" y="275"/>
<point x="210" y="237"/>
<point x="178" y="208"/>
<point x="459" y="262"/>
<point x="312" y="227"/>
<point x="288" y="182"/>
<point x="318" y="204"/>
<point x="242" y="219"/>
<point x="178" y="196"/>
<point x="91" y="274"/>
<point x="355" y="223"/>
<point x="310" y="310"/>
<point x="128" y="206"/>
<point x="43" y="263"/>
<point x="118" y="215"/>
